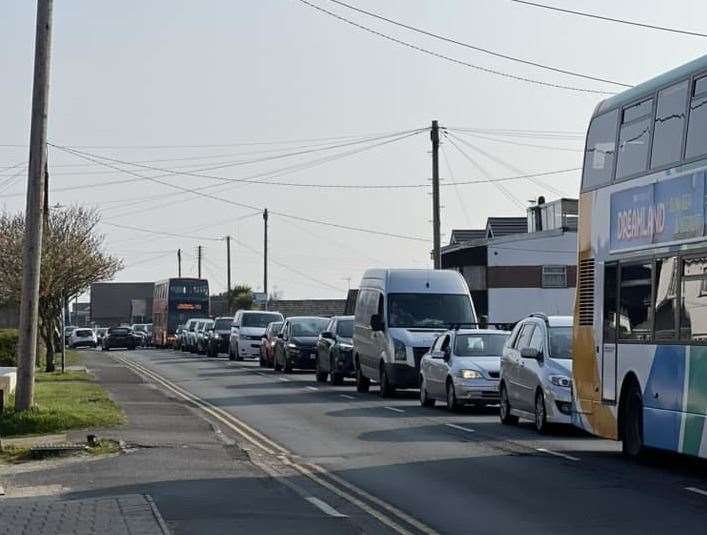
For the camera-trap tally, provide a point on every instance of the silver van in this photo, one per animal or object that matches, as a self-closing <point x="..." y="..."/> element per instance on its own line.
<point x="247" y="331"/>
<point x="399" y="313"/>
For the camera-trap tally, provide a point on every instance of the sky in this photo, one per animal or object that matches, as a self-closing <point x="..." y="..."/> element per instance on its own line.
<point x="276" y="91"/>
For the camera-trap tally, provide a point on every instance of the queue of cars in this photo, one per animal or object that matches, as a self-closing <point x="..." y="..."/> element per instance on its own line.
<point x="411" y="329"/>
<point x="140" y="335"/>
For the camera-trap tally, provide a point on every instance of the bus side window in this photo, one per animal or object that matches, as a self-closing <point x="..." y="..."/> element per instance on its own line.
<point x="635" y="303"/>
<point x="610" y="296"/>
<point x="666" y="289"/>
<point x="693" y="306"/>
<point x="697" y="122"/>
<point x="669" y="121"/>
<point x="601" y="150"/>
<point x="634" y="135"/>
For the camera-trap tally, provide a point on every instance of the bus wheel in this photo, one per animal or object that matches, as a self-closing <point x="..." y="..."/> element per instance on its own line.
<point x="632" y="428"/>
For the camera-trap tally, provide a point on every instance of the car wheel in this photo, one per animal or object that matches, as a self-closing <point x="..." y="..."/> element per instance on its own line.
<point x="505" y="408"/>
<point x="320" y="375"/>
<point x="287" y="365"/>
<point x="540" y="413"/>
<point x="104" y="348"/>
<point x="425" y="400"/>
<point x="452" y="402"/>
<point x="336" y="378"/>
<point x="387" y="390"/>
<point x="363" y="383"/>
<point x="632" y="429"/>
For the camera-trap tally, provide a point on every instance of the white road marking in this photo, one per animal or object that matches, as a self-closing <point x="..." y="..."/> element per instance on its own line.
<point x="346" y="396"/>
<point x="696" y="490"/>
<point x="325" y="507"/>
<point x="460" y="427"/>
<point x="394" y="409"/>
<point x="557" y="454"/>
<point x="261" y="373"/>
<point x="284" y="379"/>
<point x="312" y="388"/>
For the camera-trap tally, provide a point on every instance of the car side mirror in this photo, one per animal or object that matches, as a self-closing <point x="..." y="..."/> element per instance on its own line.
<point x="531" y="353"/>
<point x="328" y="335"/>
<point x="377" y="324"/>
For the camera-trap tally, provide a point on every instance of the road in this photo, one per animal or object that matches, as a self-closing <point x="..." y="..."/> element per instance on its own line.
<point x="430" y="471"/>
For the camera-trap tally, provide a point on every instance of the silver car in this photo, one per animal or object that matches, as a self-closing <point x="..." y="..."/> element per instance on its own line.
<point x="536" y="372"/>
<point x="462" y="367"/>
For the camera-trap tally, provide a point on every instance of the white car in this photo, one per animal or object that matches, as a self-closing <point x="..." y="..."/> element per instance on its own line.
<point x="83" y="338"/>
<point x="536" y="372"/>
<point x="462" y="367"/>
<point x="247" y="331"/>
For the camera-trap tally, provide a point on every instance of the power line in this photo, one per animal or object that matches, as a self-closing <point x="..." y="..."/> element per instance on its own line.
<point x="454" y="60"/>
<point x="478" y="48"/>
<point x="610" y="19"/>
<point x="159" y="233"/>
<point x="516" y="143"/>
<point x="462" y="205"/>
<point x="248" y="206"/>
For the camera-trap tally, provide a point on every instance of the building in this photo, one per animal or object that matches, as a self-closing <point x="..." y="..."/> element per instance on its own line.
<point x="113" y="303"/>
<point x="80" y="315"/>
<point x="516" y="266"/>
<point x="308" y="307"/>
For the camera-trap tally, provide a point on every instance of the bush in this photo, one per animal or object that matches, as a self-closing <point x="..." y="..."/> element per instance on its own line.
<point x="8" y="347"/>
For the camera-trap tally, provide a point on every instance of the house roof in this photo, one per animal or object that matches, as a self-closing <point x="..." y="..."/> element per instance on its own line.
<point x="466" y="235"/>
<point x="503" y="226"/>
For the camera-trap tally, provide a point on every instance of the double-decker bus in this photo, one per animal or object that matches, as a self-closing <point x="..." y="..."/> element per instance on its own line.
<point x="640" y="324"/>
<point x="175" y="301"/>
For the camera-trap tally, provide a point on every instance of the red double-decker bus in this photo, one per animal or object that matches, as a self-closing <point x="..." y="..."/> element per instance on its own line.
<point x="175" y="301"/>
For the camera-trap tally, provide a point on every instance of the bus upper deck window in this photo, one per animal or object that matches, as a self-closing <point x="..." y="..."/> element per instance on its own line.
<point x="697" y="122"/>
<point x="633" y="139"/>
<point x="601" y="150"/>
<point x="669" y="121"/>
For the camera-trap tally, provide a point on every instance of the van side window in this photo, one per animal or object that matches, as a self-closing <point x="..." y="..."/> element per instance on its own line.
<point x="445" y="343"/>
<point x="536" y="341"/>
<point x="525" y="335"/>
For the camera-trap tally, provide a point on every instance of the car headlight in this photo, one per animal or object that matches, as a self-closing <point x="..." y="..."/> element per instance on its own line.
<point x="561" y="380"/>
<point x="345" y="347"/>
<point x="400" y="349"/>
<point x="469" y="374"/>
<point x="292" y="346"/>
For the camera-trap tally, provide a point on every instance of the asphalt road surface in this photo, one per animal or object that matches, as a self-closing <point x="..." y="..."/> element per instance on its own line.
<point x="422" y="470"/>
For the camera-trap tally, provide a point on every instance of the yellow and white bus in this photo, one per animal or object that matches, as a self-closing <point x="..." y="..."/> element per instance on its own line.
<point x="640" y="323"/>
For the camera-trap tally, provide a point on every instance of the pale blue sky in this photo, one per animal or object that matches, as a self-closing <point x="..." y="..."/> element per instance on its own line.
<point x="214" y="72"/>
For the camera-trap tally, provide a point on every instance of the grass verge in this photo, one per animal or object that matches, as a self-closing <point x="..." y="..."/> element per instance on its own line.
<point x="62" y="402"/>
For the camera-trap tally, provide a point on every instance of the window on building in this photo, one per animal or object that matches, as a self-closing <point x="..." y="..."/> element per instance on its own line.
<point x="610" y="296"/>
<point x="666" y="282"/>
<point x="635" y="303"/>
<point x="554" y="277"/>
<point x="697" y="122"/>
<point x="634" y="136"/>
<point x="600" y="151"/>
<point x="669" y="122"/>
<point x="693" y="300"/>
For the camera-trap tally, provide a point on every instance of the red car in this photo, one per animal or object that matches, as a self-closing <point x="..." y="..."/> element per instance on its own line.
<point x="267" y="344"/>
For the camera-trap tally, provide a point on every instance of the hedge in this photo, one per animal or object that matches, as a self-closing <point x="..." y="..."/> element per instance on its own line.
<point x="8" y="347"/>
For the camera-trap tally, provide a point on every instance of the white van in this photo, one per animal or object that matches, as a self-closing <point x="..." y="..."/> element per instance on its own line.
<point x="247" y="331"/>
<point x="399" y="313"/>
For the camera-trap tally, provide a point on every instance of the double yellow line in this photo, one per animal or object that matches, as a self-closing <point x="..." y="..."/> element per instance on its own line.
<point x="384" y="512"/>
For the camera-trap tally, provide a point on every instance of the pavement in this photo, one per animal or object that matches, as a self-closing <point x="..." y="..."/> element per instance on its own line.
<point x="429" y="471"/>
<point x="197" y="477"/>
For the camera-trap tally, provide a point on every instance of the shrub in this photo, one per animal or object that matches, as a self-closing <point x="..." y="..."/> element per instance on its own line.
<point x="8" y="347"/>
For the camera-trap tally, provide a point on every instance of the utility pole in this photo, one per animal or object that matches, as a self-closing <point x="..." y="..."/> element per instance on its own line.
<point x="61" y="334"/>
<point x="179" y="263"/>
<point x="434" y="136"/>
<point x="32" y="248"/>
<point x="228" y="264"/>
<point x="265" y="256"/>
<point x="198" y="256"/>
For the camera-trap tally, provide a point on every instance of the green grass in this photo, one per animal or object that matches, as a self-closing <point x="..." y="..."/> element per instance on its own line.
<point x="62" y="404"/>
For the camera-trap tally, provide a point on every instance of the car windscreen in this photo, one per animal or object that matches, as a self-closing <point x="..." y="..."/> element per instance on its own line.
<point x="223" y="324"/>
<point x="560" y="342"/>
<point x="83" y="332"/>
<point x="428" y="310"/>
<point x="140" y="328"/>
<point x="309" y="326"/>
<point x="119" y="331"/>
<point x="258" y="320"/>
<point x="479" y="345"/>
<point x="344" y="328"/>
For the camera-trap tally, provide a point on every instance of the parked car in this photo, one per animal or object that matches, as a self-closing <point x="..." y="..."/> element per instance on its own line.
<point x="297" y="343"/>
<point x="178" y="336"/>
<point x="82" y="338"/>
<point x="267" y="344"/>
<point x="120" y="337"/>
<point x="219" y="336"/>
<point x="140" y="329"/>
<point x="67" y="333"/>
<point x="399" y="313"/>
<point x="203" y="332"/>
<point x="536" y="372"/>
<point x="246" y="331"/>
<point x="462" y="367"/>
<point x="189" y="341"/>
<point x="100" y="334"/>
<point x="335" y="351"/>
